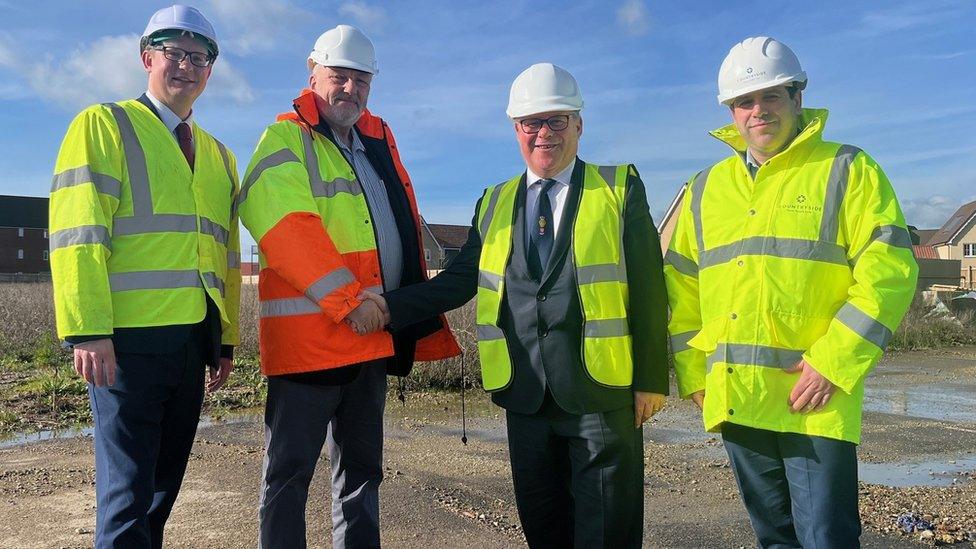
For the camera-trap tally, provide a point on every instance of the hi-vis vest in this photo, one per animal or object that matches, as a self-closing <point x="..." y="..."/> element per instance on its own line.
<point x="136" y="237"/>
<point x="601" y="277"/>
<point x="811" y="260"/>
<point x="303" y="204"/>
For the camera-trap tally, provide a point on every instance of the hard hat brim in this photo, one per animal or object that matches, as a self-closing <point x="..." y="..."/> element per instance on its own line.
<point x="521" y="111"/>
<point x="726" y="98"/>
<point x="341" y="63"/>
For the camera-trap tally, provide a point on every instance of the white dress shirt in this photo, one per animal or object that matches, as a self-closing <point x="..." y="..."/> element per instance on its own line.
<point x="557" y="197"/>
<point x="170" y="119"/>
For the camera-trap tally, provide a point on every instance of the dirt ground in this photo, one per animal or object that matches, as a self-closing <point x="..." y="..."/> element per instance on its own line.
<point x="918" y="454"/>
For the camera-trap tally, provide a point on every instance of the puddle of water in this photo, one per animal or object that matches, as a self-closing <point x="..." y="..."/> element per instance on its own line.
<point x="924" y="473"/>
<point x="936" y="401"/>
<point x="19" y="439"/>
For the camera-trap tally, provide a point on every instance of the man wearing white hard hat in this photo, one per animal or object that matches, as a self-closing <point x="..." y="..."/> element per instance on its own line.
<point x="145" y="259"/>
<point x="571" y="320"/>
<point x="333" y="211"/>
<point x="788" y="271"/>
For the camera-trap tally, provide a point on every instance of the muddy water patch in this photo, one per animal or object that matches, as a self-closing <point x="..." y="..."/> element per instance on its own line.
<point x="943" y="402"/>
<point x="935" y="472"/>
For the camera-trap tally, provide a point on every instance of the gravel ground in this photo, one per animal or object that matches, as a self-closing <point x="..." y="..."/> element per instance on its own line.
<point x="918" y="455"/>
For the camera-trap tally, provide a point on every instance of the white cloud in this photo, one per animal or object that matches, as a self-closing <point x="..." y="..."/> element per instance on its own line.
<point x="931" y="212"/>
<point x="373" y="17"/>
<point x="633" y="17"/>
<point x="107" y="69"/>
<point x="255" y="25"/>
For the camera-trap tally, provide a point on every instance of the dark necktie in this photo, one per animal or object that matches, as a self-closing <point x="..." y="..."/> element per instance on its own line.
<point x="540" y="241"/>
<point x="185" y="139"/>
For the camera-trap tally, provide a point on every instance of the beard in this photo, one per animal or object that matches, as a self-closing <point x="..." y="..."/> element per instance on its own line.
<point x="344" y="116"/>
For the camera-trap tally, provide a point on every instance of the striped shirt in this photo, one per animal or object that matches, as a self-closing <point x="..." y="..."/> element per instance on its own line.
<point x="384" y="224"/>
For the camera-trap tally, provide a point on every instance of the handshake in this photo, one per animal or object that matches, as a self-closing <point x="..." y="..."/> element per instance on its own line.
<point x="371" y="315"/>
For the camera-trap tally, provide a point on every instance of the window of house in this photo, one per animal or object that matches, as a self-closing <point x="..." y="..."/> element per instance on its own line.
<point x="20" y="253"/>
<point x="426" y="255"/>
<point x="46" y="256"/>
<point x="969" y="250"/>
<point x="45" y="233"/>
<point x="20" y="232"/>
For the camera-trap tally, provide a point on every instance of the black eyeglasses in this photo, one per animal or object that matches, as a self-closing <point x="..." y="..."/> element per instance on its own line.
<point x="197" y="58"/>
<point x="556" y="123"/>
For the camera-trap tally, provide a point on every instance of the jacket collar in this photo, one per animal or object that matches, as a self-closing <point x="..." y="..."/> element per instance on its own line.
<point x="305" y="113"/>
<point x="811" y="120"/>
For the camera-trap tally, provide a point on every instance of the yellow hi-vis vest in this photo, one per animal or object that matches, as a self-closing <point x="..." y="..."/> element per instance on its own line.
<point x="601" y="277"/>
<point x="809" y="260"/>
<point x="136" y="237"/>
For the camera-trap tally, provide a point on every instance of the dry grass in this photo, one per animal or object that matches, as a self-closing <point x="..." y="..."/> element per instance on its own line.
<point x="918" y="332"/>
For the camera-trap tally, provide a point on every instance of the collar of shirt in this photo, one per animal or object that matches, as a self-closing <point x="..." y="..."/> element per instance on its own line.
<point x="563" y="178"/>
<point x="750" y="160"/>
<point x="170" y="119"/>
<point x="357" y="144"/>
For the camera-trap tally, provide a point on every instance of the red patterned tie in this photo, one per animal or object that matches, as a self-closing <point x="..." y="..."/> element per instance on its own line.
<point x="185" y="137"/>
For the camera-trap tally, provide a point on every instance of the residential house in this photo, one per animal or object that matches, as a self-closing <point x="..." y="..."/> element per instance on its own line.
<point x="23" y="235"/>
<point x="442" y="243"/>
<point x="956" y="240"/>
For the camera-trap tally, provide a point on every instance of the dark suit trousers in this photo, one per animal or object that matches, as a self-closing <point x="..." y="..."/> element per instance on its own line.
<point x="144" y="429"/>
<point x="799" y="490"/>
<point x="579" y="479"/>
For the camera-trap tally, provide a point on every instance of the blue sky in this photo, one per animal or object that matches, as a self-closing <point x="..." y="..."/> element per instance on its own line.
<point x="899" y="78"/>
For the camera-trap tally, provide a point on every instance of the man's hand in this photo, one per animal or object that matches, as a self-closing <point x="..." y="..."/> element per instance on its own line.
<point x="365" y="319"/>
<point x="219" y="375"/>
<point x="645" y="406"/>
<point x="95" y="361"/>
<point x="698" y="398"/>
<point x="380" y="302"/>
<point x="812" y="391"/>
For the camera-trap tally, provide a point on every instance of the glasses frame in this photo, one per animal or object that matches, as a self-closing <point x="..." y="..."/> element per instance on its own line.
<point x="546" y="122"/>
<point x="181" y="54"/>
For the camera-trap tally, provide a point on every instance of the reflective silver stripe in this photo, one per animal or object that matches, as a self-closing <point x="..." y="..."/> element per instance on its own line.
<point x="154" y="280"/>
<point x="85" y="234"/>
<point x="375" y="289"/>
<point x="104" y="184"/>
<point x="788" y="248"/>
<point x="214" y="281"/>
<point x="609" y="174"/>
<point x="840" y="174"/>
<point x="158" y="223"/>
<point x="697" y="190"/>
<point x="487" y="332"/>
<point x="893" y="235"/>
<point x="679" y="342"/>
<point x="135" y="162"/>
<point x="214" y="229"/>
<point x="606" y="272"/>
<point x="329" y="283"/>
<point x="681" y="263"/>
<point x="490" y="211"/>
<point x="289" y="306"/>
<point x="336" y="186"/>
<point x="611" y="327"/>
<point x="312" y="164"/>
<point x="231" y="176"/>
<point x="276" y="158"/>
<point x="754" y="355"/>
<point x="233" y="260"/>
<point x="489" y="280"/>
<point x="863" y="325"/>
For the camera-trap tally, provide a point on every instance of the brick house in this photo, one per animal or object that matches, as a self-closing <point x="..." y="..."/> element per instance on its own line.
<point x="23" y="235"/>
<point x="956" y="240"/>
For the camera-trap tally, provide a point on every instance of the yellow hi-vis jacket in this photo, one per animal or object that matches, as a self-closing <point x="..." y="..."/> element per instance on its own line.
<point x="136" y="237"/>
<point x="601" y="277"/>
<point x="810" y="260"/>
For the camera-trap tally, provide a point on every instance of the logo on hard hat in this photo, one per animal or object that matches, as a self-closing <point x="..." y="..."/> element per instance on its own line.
<point x="749" y="70"/>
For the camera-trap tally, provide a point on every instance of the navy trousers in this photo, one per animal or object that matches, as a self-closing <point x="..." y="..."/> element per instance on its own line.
<point x="144" y="429"/>
<point x="799" y="490"/>
<point x="579" y="479"/>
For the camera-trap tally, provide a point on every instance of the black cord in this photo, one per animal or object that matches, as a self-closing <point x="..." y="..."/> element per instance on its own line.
<point x="464" y="419"/>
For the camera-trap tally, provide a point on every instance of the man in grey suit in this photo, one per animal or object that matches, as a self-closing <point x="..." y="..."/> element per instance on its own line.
<point x="567" y="268"/>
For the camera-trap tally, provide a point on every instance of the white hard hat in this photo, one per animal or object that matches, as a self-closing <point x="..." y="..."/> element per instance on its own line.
<point x="179" y="17"/>
<point x="344" y="46"/>
<point x="543" y="87"/>
<point x="755" y="64"/>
